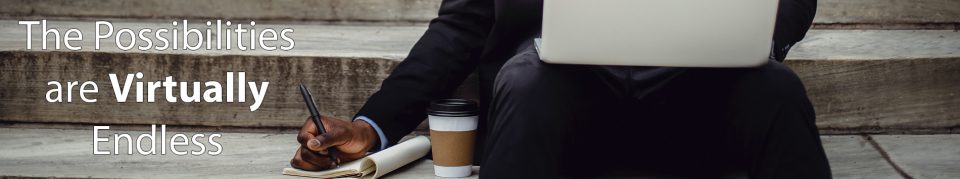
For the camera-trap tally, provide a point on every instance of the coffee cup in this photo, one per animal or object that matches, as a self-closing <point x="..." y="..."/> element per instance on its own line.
<point x="453" y="126"/>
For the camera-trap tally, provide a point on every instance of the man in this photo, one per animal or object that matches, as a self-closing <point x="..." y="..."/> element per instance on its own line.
<point x="550" y="120"/>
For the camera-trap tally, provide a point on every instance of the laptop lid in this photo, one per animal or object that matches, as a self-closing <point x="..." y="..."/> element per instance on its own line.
<point x="679" y="33"/>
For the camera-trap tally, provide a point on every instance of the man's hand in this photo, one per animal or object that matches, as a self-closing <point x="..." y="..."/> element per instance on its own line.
<point x="351" y="139"/>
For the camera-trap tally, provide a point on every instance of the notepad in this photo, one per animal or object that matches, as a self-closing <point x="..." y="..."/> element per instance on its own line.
<point x="375" y="165"/>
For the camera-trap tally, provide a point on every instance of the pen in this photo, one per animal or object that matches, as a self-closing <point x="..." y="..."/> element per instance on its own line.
<point x="315" y="115"/>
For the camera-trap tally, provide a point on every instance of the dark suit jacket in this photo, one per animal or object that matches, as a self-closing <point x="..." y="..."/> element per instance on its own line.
<point x="481" y="35"/>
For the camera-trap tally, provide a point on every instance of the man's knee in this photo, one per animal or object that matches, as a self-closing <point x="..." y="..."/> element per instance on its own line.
<point x="521" y="73"/>
<point x="774" y="80"/>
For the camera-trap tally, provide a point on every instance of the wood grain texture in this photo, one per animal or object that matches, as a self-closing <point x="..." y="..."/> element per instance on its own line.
<point x="341" y="85"/>
<point x="848" y="95"/>
<point x="883" y="95"/>
<point x="263" y="155"/>
<point x="851" y="156"/>
<point x="855" y="14"/>
<point x="923" y="156"/>
<point x="888" y="11"/>
<point x="309" y="10"/>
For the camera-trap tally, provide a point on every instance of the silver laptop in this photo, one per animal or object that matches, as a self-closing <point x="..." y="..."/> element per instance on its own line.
<point x="678" y="33"/>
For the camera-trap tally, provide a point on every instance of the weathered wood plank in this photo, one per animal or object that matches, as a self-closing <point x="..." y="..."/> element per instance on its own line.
<point x="888" y="11"/>
<point x="897" y="95"/>
<point x="851" y="76"/>
<point x="310" y="10"/>
<point x="856" y="14"/>
<point x="67" y="153"/>
<point x="923" y="156"/>
<point x="851" y="156"/>
<point x="883" y="95"/>
<point x="312" y="40"/>
<point x="877" y="44"/>
<point x="340" y="84"/>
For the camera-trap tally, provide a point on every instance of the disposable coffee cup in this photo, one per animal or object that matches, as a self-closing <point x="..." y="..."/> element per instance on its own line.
<point x="453" y="126"/>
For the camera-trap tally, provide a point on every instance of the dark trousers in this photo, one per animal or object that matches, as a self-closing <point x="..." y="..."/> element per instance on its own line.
<point x="550" y="120"/>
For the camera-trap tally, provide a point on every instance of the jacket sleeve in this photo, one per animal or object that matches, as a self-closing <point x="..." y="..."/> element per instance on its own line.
<point x="436" y="65"/>
<point x="794" y="18"/>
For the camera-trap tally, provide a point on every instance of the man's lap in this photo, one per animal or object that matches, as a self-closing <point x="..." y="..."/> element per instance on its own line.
<point x="668" y="118"/>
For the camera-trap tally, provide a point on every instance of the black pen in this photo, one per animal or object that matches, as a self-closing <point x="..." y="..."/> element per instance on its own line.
<point x="315" y="115"/>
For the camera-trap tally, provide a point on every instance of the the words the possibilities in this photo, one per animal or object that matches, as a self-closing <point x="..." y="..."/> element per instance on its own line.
<point x="216" y="35"/>
<point x="213" y="91"/>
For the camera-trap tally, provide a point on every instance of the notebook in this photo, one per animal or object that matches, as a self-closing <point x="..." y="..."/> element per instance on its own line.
<point x="375" y="165"/>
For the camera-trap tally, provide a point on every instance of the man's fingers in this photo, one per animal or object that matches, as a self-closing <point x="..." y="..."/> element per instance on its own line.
<point x="312" y="154"/>
<point x="324" y="141"/>
<point x="320" y="161"/>
<point x="300" y="163"/>
<point x="307" y="132"/>
<point x="303" y="165"/>
<point x="329" y="122"/>
<point x="309" y="129"/>
<point x="305" y="138"/>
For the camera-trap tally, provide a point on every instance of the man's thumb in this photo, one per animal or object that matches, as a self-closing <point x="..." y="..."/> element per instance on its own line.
<point x="321" y="143"/>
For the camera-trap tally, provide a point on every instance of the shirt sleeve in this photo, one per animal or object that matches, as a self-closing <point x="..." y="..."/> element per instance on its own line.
<point x="383" y="138"/>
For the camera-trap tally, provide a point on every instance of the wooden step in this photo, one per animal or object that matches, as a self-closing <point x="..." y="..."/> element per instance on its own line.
<point x="886" y="81"/>
<point x="67" y="154"/>
<point x="846" y="14"/>
<point x="881" y="80"/>
<point x="296" y="10"/>
<point x="888" y="14"/>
